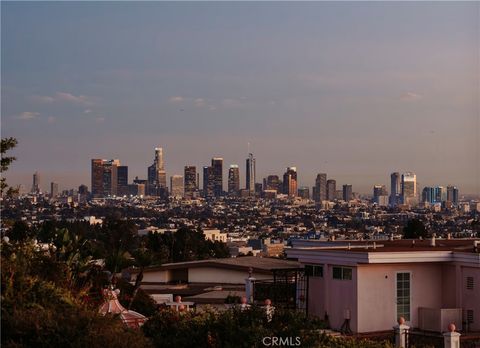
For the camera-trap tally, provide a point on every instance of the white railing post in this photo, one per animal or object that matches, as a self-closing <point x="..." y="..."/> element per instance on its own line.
<point x="451" y="339"/>
<point x="401" y="331"/>
<point x="249" y="282"/>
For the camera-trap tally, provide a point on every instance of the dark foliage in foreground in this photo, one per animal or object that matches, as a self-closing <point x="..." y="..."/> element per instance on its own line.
<point x="45" y="304"/>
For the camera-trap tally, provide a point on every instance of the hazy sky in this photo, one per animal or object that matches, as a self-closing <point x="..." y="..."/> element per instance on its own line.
<point x="353" y="89"/>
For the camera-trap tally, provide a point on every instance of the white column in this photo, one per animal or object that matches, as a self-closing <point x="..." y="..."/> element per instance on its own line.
<point x="401" y="333"/>
<point x="249" y="288"/>
<point x="451" y="339"/>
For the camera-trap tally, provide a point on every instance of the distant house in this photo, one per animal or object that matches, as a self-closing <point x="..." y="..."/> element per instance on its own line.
<point x="214" y="271"/>
<point x="215" y="235"/>
<point x="209" y="282"/>
<point x="366" y="286"/>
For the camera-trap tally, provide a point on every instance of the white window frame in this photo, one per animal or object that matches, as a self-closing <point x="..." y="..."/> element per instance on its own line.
<point x="396" y="297"/>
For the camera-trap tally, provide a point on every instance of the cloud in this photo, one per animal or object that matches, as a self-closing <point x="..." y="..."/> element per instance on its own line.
<point x="51" y="119"/>
<point x="87" y="111"/>
<point x="27" y="115"/>
<point x="176" y="99"/>
<point x="199" y="102"/>
<point x="100" y="119"/>
<point x="42" y="99"/>
<point x="68" y="97"/>
<point x="63" y="97"/>
<point x="231" y="103"/>
<point x="410" y="96"/>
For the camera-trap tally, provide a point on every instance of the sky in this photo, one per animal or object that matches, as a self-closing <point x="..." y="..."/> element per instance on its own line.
<point x="356" y="90"/>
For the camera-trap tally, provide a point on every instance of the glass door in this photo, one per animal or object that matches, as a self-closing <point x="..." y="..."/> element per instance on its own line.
<point x="403" y="295"/>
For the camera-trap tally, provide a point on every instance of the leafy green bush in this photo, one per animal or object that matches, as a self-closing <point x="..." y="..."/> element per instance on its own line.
<point x="43" y="307"/>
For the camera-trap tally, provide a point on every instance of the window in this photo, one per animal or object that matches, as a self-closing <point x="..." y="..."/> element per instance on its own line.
<point x="342" y="273"/>
<point x="403" y="295"/>
<point x="470" y="316"/>
<point x="314" y="270"/>
<point x="470" y="283"/>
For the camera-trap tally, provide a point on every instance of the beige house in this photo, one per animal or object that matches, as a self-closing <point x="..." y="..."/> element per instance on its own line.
<point x="366" y="287"/>
<point x="215" y="235"/>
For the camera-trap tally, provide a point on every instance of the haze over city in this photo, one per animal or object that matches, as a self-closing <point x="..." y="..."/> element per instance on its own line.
<point x="353" y="90"/>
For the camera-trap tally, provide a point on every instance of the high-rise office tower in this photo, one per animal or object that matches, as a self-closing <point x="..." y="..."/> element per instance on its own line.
<point x="452" y="194"/>
<point x="304" y="192"/>
<point x="83" y="190"/>
<point x="331" y="189"/>
<point x="122" y="181"/>
<point x="110" y="177"/>
<point x="53" y="189"/>
<point x="273" y="183"/>
<point x="258" y="188"/>
<point x="290" y="182"/>
<point x="97" y="178"/>
<point x="409" y="188"/>
<point x="176" y="186"/>
<point x="380" y="195"/>
<point x="190" y="175"/>
<point x="36" y="183"/>
<point x="320" y="187"/>
<point x="440" y="194"/>
<point x="347" y="193"/>
<point x="217" y="165"/>
<point x="428" y="195"/>
<point x="157" y="177"/>
<point x="208" y="182"/>
<point x="395" y="189"/>
<point x="233" y="179"/>
<point x="104" y="177"/>
<point x="250" y="174"/>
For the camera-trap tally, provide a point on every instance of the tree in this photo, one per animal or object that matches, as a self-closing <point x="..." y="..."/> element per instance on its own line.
<point x="41" y="308"/>
<point x="414" y="229"/>
<point x="7" y="144"/>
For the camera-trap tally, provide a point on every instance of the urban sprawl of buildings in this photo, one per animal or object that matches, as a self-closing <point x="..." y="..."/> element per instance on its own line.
<point x="351" y="247"/>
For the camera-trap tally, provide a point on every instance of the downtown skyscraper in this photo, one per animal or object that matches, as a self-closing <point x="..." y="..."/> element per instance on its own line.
<point x="208" y="182"/>
<point x="250" y="174"/>
<point x="331" y="189"/>
<point x="104" y="177"/>
<point x="36" y="183"/>
<point x="409" y="188"/>
<point x="176" y="186"/>
<point x="190" y="181"/>
<point x="320" y="194"/>
<point x="347" y="193"/>
<point x="122" y="181"/>
<point x="290" y="182"/>
<point x="157" y="177"/>
<point x="217" y="166"/>
<point x="395" y="189"/>
<point x="233" y="180"/>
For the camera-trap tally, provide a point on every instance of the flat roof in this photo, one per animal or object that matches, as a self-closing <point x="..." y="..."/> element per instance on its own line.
<point x="258" y="264"/>
<point x="461" y="251"/>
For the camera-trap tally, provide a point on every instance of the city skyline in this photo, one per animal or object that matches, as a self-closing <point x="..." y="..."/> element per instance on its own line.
<point x="356" y="91"/>
<point x="225" y="172"/>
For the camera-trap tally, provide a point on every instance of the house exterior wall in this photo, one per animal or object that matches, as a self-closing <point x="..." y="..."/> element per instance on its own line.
<point x="471" y="298"/>
<point x="334" y="297"/>
<point x="377" y="293"/>
<point x="156" y="276"/>
<point x="220" y="276"/>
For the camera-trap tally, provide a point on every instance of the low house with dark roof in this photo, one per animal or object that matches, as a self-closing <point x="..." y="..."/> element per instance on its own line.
<point x="214" y="271"/>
